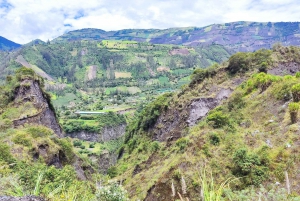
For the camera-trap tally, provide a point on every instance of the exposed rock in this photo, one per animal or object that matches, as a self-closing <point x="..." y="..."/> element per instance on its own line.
<point x="200" y="107"/>
<point x="26" y="198"/>
<point x="167" y="126"/>
<point x="289" y="68"/>
<point x="106" y="134"/>
<point x="104" y="161"/>
<point x="83" y="171"/>
<point x="30" y="91"/>
<point x="170" y="125"/>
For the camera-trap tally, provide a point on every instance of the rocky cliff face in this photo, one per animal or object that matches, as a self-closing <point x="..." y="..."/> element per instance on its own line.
<point x="170" y="125"/>
<point x="30" y="91"/>
<point x="106" y="134"/>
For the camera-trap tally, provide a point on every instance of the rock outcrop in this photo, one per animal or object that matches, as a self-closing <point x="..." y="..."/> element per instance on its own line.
<point x="106" y="134"/>
<point x="170" y="125"/>
<point x="30" y="91"/>
<point x="200" y="107"/>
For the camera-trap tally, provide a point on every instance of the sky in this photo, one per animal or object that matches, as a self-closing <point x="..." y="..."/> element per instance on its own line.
<point x="25" y="20"/>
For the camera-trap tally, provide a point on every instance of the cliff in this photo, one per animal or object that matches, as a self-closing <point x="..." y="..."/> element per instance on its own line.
<point x="107" y="133"/>
<point x="30" y="91"/>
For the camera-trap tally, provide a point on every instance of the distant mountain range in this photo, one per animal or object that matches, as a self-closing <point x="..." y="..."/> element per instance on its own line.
<point x="8" y="45"/>
<point x="237" y="36"/>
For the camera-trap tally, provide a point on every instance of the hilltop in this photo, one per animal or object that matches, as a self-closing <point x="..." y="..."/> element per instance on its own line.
<point x="237" y="36"/>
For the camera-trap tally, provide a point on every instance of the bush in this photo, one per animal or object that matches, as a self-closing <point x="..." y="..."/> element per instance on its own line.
<point x="5" y="124"/>
<point x="39" y="131"/>
<point x="112" y="172"/>
<point x="22" y="138"/>
<point x="293" y="109"/>
<point x="296" y="92"/>
<point x="77" y="143"/>
<point x="154" y="146"/>
<point x="239" y="62"/>
<point x="92" y="146"/>
<point x="82" y="147"/>
<point x="5" y="154"/>
<point x="263" y="67"/>
<point x="218" y="119"/>
<point x="249" y="167"/>
<point x="182" y="143"/>
<point x="236" y="101"/>
<point x="261" y="81"/>
<point x="214" y="139"/>
<point x="200" y="74"/>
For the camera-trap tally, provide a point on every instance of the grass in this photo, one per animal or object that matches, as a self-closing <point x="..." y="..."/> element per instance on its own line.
<point x="65" y="100"/>
<point x="110" y="146"/>
<point x="123" y="74"/>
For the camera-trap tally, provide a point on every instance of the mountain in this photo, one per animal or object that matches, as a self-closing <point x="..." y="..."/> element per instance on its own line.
<point x="237" y="36"/>
<point x="233" y="131"/>
<point x="8" y="45"/>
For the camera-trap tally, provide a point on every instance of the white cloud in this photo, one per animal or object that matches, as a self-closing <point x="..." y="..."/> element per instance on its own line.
<point x="26" y="20"/>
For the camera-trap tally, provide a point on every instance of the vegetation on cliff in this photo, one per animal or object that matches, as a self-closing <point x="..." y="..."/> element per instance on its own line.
<point x="251" y="136"/>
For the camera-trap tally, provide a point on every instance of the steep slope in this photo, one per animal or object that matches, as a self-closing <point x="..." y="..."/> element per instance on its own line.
<point x="30" y="105"/>
<point x="232" y="121"/>
<point x="34" y="159"/>
<point x="8" y="45"/>
<point x="238" y="36"/>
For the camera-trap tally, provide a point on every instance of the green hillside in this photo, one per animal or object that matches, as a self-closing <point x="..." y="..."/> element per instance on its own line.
<point x="109" y="75"/>
<point x="231" y="133"/>
<point x="243" y="147"/>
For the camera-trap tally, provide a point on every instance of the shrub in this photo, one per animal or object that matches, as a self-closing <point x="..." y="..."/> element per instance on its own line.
<point x="262" y="81"/>
<point x="182" y="143"/>
<point x="236" y="102"/>
<point x="218" y="119"/>
<point x="77" y="143"/>
<point x="296" y="92"/>
<point x="5" y="124"/>
<point x="214" y="139"/>
<point x="293" y="109"/>
<point x="24" y="73"/>
<point x="39" y="131"/>
<point x="82" y="147"/>
<point x="263" y="67"/>
<point x="22" y="138"/>
<point x="239" y="62"/>
<point x="249" y="167"/>
<point x="5" y="154"/>
<point x="201" y="74"/>
<point x="92" y="146"/>
<point x="154" y="146"/>
<point x="112" y="172"/>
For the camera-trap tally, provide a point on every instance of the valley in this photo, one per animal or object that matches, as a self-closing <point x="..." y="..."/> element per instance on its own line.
<point x="144" y="115"/>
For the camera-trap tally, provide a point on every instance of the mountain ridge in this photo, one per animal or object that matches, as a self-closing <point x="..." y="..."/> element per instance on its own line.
<point x="8" y="45"/>
<point x="238" y="36"/>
